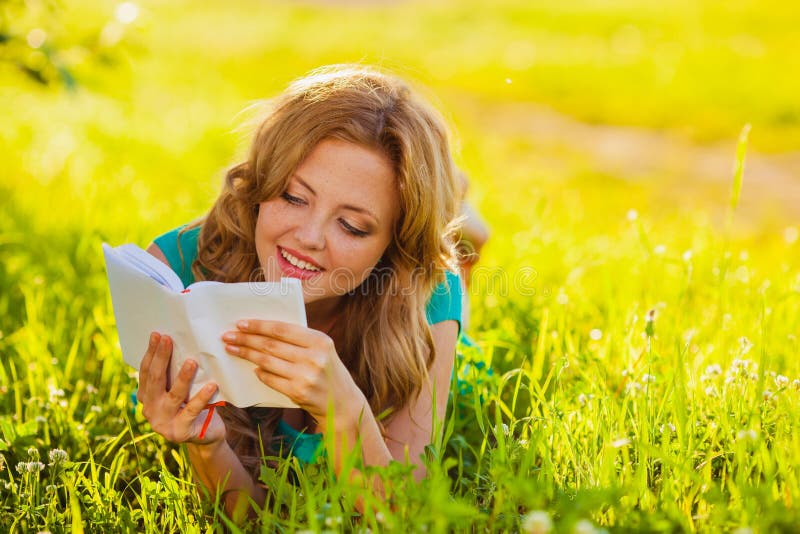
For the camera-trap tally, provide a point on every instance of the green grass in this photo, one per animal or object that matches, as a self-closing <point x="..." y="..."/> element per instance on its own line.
<point x="585" y="415"/>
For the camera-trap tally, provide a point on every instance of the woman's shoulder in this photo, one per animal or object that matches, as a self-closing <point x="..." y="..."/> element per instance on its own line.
<point x="446" y="300"/>
<point x="179" y="246"/>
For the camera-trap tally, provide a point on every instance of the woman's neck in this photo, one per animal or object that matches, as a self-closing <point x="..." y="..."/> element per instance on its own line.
<point x="322" y="314"/>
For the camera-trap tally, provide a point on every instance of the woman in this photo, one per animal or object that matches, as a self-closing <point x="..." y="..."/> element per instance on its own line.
<point x="350" y="187"/>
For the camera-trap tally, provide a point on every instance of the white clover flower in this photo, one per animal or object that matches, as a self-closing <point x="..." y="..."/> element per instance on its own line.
<point x="95" y="408"/>
<point x="729" y="380"/>
<point x="584" y="526"/>
<point x="714" y="370"/>
<point x="91" y="389"/>
<point x="620" y="442"/>
<point x="744" y="345"/>
<point x="711" y="392"/>
<point x="595" y="334"/>
<point x="33" y="453"/>
<point x="754" y="377"/>
<point x="58" y="456"/>
<point x="646" y="378"/>
<point x="768" y="394"/>
<point x="632" y="388"/>
<point x="668" y="426"/>
<point x="796" y="383"/>
<point x="750" y="435"/>
<point x="35" y="466"/>
<point x="55" y="392"/>
<point x="781" y="381"/>
<point x="333" y="521"/>
<point x="22" y="467"/>
<point x="537" y="522"/>
<point x="582" y="399"/>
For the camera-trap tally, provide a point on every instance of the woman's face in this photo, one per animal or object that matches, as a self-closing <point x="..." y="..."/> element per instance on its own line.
<point x="333" y="222"/>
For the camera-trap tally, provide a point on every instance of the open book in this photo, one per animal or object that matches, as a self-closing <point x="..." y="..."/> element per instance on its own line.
<point x="149" y="297"/>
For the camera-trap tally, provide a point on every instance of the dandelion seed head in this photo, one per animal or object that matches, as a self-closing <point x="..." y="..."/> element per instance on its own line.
<point x="536" y="522"/>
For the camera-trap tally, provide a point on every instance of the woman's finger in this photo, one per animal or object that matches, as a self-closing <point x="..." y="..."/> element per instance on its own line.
<point x="276" y="382"/>
<point x="268" y="345"/>
<point x="160" y="363"/>
<point x="144" y="366"/>
<point x="287" y="332"/>
<point x="198" y="403"/>
<point x="179" y="392"/>
<point x="264" y="361"/>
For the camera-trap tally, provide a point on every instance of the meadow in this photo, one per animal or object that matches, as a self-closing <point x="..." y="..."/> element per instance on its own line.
<point x="636" y="322"/>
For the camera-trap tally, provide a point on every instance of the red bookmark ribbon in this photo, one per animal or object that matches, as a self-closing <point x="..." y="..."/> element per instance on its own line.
<point x="209" y="416"/>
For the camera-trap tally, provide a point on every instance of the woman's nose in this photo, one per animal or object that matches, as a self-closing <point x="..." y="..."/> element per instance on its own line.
<point x="311" y="234"/>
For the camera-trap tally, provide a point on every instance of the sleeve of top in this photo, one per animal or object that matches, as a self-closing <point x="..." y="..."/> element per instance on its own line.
<point x="180" y="251"/>
<point x="445" y="301"/>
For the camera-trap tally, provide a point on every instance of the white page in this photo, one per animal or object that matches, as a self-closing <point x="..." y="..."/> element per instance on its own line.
<point x="214" y="308"/>
<point x="150" y="265"/>
<point x="141" y="305"/>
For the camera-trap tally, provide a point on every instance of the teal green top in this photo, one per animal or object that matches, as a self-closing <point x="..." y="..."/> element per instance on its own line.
<point x="444" y="305"/>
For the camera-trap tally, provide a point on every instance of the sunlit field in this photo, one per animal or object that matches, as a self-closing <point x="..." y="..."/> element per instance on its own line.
<point x="635" y="311"/>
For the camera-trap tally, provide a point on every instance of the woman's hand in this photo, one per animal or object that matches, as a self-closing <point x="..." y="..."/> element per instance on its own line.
<point x="169" y="411"/>
<point x="301" y="363"/>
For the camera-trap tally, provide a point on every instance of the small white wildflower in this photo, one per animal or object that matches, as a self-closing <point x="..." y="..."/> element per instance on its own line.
<point x="626" y="372"/>
<point x="33" y="453"/>
<point x="40" y="419"/>
<point x="36" y="466"/>
<point x="379" y="517"/>
<point x="333" y="521"/>
<point x="768" y="394"/>
<point x="632" y="388"/>
<point x="621" y="442"/>
<point x="668" y="426"/>
<point x="95" y="408"/>
<point x="750" y="435"/>
<point x="646" y="378"/>
<point x="595" y="334"/>
<point x="745" y="345"/>
<point x="537" y="522"/>
<point x="91" y="389"/>
<point x="126" y="12"/>
<point x="22" y="467"/>
<point x="632" y="215"/>
<point x="505" y="429"/>
<point x="711" y="392"/>
<point x="659" y="250"/>
<point x="781" y="381"/>
<point x="796" y="383"/>
<point x="582" y="399"/>
<point x="687" y="256"/>
<point x="714" y="369"/>
<point x="584" y="526"/>
<point x="58" y="456"/>
<point x="773" y="374"/>
<point x="62" y="403"/>
<point x="729" y="380"/>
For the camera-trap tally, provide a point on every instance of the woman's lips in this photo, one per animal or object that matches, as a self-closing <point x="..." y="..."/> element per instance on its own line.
<point x="293" y="271"/>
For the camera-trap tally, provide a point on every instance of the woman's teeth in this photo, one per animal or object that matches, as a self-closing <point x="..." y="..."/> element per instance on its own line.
<point x="298" y="263"/>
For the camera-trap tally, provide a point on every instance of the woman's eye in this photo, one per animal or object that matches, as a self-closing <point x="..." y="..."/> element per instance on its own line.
<point x="352" y="229"/>
<point x="292" y="199"/>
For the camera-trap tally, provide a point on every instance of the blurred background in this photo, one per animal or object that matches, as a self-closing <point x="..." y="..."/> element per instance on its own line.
<point x="586" y="127"/>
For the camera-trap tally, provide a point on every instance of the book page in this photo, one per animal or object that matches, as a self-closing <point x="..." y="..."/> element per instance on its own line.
<point x="141" y="306"/>
<point x="212" y="309"/>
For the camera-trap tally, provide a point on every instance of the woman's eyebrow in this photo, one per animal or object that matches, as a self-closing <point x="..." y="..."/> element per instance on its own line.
<point x="350" y="207"/>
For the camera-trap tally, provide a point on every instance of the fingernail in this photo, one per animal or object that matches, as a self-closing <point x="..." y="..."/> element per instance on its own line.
<point x="229" y="336"/>
<point x="153" y="338"/>
<point x="232" y="348"/>
<point x="190" y="364"/>
<point x="210" y="387"/>
<point x="242" y="325"/>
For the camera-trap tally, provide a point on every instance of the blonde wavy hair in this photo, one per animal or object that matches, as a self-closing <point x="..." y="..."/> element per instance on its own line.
<point x="390" y="352"/>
